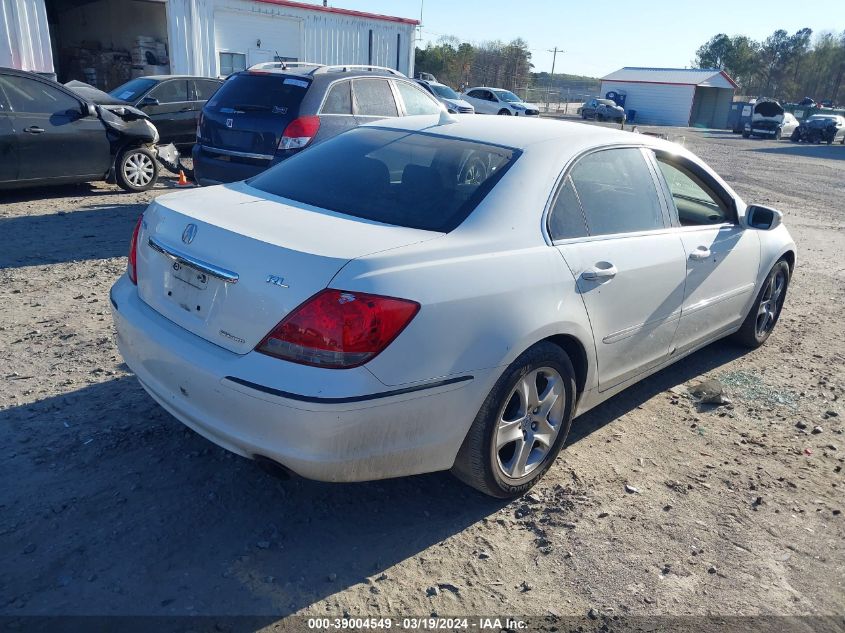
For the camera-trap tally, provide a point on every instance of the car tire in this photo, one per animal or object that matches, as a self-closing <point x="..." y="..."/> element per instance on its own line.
<point x="584" y="115"/>
<point x="746" y="134"/>
<point x="777" y="135"/>
<point x="796" y="136"/>
<point x="136" y="169"/>
<point x="486" y="458"/>
<point x="599" y="117"/>
<point x="505" y="112"/>
<point x="765" y="311"/>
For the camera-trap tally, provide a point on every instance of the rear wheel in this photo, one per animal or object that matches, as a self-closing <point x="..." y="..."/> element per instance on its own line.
<point x="521" y="426"/>
<point x="505" y="112"/>
<point x="765" y="311"/>
<point x="136" y="169"/>
<point x="796" y="136"/>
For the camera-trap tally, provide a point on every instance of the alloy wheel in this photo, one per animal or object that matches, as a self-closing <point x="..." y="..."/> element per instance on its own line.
<point x="529" y="422"/>
<point x="769" y="307"/>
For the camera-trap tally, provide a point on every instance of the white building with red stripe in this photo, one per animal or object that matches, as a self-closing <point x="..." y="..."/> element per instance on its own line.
<point x="699" y="97"/>
<point x="202" y="37"/>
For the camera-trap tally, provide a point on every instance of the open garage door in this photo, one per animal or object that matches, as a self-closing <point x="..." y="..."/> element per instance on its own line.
<point x="243" y="39"/>
<point x="107" y="42"/>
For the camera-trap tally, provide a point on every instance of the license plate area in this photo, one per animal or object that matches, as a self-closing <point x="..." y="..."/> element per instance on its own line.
<point x="188" y="287"/>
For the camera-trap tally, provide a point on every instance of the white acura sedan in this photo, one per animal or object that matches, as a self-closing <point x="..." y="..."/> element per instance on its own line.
<point x="429" y="293"/>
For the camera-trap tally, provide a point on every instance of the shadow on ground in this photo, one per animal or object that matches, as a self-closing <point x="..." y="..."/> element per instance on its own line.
<point x="806" y="150"/>
<point x="203" y="532"/>
<point x="93" y="232"/>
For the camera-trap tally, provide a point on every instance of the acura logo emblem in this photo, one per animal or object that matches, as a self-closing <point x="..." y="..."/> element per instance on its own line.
<point x="229" y="123"/>
<point x="189" y="233"/>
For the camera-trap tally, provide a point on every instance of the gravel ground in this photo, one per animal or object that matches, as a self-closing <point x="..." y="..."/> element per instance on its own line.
<point x="110" y="506"/>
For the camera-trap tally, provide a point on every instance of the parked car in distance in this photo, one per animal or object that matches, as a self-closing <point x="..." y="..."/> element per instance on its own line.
<point x="173" y="103"/>
<point x="50" y="135"/>
<point x="769" y="120"/>
<point x="265" y="114"/>
<point x="602" y="110"/>
<point x="820" y="128"/>
<point x="373" y="308"/>
<point x="497" y="101"/>
<point x="448" y="97"/>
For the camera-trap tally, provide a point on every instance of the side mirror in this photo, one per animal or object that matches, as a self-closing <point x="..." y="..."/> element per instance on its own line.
<point x="763" y="218"/>
<point x="148" y="101"/>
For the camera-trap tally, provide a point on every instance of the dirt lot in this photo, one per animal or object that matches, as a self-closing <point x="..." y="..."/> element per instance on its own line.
<point x="110" y="506"/>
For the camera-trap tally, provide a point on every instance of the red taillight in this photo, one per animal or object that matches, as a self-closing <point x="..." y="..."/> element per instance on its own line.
<point x="132" y="262"/>
<point x="300" y="132"/>
<point x="338" y="329"/>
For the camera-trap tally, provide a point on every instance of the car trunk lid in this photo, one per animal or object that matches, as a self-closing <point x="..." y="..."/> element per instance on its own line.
<point x="227" y="263"/>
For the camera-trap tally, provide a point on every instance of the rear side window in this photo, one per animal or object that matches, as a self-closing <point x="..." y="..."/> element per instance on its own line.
<point x="416" y="101"/>
<point x="170" y="91"/>
<point x="204" y="89"/>
<point x="410" y="179"/>
<point x="567" y="219"/>
<point x="339" y="99"/>
<point x="35" y="97"/>
<point x="373" y="97"/>
<point x="617" y="192"/>
<point x="275" y="93"/>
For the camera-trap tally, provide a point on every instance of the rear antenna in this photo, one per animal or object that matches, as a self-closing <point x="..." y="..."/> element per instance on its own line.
<point x="284" y="65"/>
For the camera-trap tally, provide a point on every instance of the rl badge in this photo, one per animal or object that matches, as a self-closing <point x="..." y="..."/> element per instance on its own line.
<point x="189" y="233"/>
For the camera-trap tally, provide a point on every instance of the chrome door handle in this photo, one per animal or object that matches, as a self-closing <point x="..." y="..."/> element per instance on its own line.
<point x="702" y="252"/>
<point x="599" y="273"/>
<point x="34" y="129"/>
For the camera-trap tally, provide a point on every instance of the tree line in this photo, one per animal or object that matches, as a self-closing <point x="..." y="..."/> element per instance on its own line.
<point x="788" y="67"/>
<point x="459" y="64"/>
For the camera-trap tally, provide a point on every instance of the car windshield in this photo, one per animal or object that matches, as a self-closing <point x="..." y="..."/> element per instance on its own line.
<point x="132" y="90"/>
<point x="444" y="91"/>
<point x="413" y="179"/>
<point x="510" y="97"/>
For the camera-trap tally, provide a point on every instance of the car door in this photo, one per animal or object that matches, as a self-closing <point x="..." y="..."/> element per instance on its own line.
<point x="612" y="229"/>
<point x="55" y="139"/>
<point x="722" y="257"/>
<point x="373" y="99"/>
<point x="8" y="143"/>
<point x="480" y="99"/>
<point x="172" y="112"/>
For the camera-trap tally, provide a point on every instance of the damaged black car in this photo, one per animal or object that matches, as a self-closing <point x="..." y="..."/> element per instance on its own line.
<point x="50" y="135"/>
<point x="820" y="128"/>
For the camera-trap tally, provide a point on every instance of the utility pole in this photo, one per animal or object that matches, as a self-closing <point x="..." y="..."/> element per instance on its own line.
<point x="554" y="52"/>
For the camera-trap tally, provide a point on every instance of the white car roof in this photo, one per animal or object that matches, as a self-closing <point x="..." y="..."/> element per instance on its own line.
<point x="521" y="133"/>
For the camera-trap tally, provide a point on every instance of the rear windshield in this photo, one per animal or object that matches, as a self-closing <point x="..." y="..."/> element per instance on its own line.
<point x="247" y="92"/>
<point x="444" y="91"/>
<point x="412" y="179"/>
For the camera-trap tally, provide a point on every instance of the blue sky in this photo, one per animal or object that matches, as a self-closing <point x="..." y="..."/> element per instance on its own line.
<point x="600" y="36"/>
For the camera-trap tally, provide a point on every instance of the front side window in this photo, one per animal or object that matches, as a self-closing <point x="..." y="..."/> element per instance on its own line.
<point x="507" y="96"/>
<point x="416" y="101"/>
<point x="170" y="91"/>
<point x="617" y="192"/>
<point x="35" y="97"/>
<point x="232" y="63"/>
<point x="339" y="99"/>
<point x="695" y="202"/>
<point x="411" y="179"/>
<point x="373" y="97"/>
<point x="133" y="89"/>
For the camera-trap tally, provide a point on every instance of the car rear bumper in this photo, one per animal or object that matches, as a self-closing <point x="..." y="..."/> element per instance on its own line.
<point x="370" y="432"/>
<point x="212" y="169"/>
